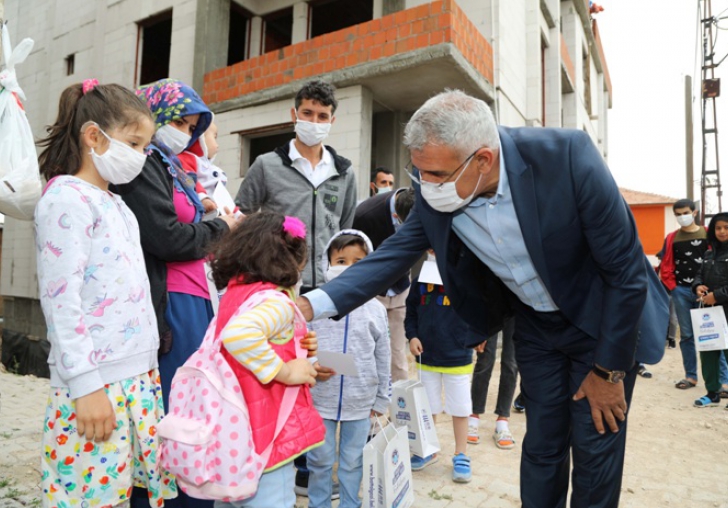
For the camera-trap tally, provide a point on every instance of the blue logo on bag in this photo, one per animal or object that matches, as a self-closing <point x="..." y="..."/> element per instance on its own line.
<point x="395" y="457"/>
<point x="703" y="338"/>
<point x="706" y="317"/>
<point x="401" y="403"/>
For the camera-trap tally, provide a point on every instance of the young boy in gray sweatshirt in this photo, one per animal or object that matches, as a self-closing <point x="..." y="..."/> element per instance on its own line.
<point x="348" y="402"/>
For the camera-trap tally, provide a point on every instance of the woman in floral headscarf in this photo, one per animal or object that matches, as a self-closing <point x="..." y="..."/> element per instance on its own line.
<point x="174" y="239"/>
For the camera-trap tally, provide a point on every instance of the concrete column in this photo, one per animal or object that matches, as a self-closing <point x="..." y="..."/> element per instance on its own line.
<point x="364" y="162"/>
<point x="534" y="76"/>
<point x="212" y="29"/>
<point x="552" y="66"/>
<point x="570" y="26"/>
<point x="387" y="131"/>
<point x="256" y="36"/>
<point x="377" y="9"/>
<point x="299" y="32"/>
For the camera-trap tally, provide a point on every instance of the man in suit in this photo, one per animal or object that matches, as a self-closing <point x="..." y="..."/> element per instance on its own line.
<point x="379" y="217"/>
<point x="530" y="222"/>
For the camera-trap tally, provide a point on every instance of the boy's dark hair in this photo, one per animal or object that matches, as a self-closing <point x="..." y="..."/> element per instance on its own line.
<point x="343" y="241"/>
<point x="684" y="203"/>
<point x="377" y="170"/>
<point x="317" y="91"/>
<point x="110" y="106"/>
<point x="403" y="203"/>
<point x="258" y="250"/>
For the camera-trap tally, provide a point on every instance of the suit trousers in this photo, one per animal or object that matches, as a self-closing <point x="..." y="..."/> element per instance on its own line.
<point x="553" y="358"/>
<point x="396" y="308"/>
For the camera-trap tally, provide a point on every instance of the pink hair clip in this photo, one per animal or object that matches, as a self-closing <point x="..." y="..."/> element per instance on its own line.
<point x="294" y="227"/>
<point x="89" y="84"/>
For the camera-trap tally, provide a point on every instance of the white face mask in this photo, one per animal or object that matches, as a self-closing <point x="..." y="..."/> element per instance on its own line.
<point x="444" y="197"/>
<point x="176" y="140"/>
<point x="334" y="271"/>
<point x="120" y="163"/>
<point x="685" y="220"/>
<point x="310" y="133"/>
<point x="382" y="190"/>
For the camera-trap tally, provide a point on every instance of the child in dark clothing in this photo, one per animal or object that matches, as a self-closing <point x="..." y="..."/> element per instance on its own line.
<point x="439" y="336"/>
<point x="711" y="287"/>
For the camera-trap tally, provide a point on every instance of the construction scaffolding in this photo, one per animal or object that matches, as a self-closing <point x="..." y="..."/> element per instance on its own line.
<point x="710" y="190"/>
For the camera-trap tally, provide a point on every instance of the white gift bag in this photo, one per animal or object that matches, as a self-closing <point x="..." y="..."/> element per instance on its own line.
<point x="710" y="329"/>
<point x="410" y="408"/>
<point x="387" y="470"/>
<point x="20" y="184"/>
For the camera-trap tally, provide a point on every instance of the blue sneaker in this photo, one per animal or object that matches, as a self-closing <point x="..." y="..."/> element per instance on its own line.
<point x="418" y="463"/>
<point x="461" y="468"/>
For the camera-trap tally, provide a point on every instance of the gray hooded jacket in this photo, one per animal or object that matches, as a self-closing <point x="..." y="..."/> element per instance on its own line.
<point x="273" y="184"/>
<point x="364" y="332"/>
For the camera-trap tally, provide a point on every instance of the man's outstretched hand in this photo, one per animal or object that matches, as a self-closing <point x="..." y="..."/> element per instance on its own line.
<point x="305" y="307"/>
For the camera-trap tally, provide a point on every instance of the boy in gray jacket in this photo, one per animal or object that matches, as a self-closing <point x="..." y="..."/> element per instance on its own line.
<point x="348" y="401"/>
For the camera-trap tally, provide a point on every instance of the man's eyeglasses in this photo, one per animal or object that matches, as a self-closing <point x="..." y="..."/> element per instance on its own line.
<point x="410" y="168"/>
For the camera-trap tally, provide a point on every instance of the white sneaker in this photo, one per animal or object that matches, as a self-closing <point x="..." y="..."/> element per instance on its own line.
<point x="473" y="437"/>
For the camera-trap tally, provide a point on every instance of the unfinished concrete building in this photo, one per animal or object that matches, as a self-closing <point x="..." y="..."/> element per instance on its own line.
<point x="537" y="62"/>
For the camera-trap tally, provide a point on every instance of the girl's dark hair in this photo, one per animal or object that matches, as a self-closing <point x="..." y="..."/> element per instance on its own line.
<point x="343" y="241"/>
<point x="110" y="106"/>
<point x="258" y="250"/>
<point x="712" y="239"/>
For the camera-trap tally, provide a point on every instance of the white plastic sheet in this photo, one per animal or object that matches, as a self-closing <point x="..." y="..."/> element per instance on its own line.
<point x="20" y="183"/>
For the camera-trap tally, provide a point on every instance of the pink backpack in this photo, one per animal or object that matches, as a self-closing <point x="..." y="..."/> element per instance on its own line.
<point x="206" y="439"/>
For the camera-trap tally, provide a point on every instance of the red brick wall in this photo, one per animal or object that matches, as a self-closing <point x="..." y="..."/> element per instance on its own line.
<point x="427" y="25"/>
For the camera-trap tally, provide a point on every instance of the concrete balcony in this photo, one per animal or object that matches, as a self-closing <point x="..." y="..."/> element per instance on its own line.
<point x="403" y="58"/>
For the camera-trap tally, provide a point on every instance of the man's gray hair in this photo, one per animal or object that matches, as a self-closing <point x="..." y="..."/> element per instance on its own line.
<point x="453" y="119"/>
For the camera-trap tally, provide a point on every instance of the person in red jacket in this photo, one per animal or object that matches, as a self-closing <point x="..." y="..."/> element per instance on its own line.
<point x="684" y="250"/>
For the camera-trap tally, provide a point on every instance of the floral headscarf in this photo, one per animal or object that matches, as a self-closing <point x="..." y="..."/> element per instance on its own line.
<point x="170" y="99"/>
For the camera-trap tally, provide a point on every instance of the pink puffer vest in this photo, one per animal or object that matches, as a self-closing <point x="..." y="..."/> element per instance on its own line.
<point x="304" y="428"/>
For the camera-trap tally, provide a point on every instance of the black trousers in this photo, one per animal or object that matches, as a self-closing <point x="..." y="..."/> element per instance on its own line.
<point x="553" y="358"/>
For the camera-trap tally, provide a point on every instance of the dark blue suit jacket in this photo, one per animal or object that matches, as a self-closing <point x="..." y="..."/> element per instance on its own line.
<point x="581" y="237"/>
<point x="373" y="216"/>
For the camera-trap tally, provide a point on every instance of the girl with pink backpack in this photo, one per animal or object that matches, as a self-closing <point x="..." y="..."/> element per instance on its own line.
<point x="260" y="261"/>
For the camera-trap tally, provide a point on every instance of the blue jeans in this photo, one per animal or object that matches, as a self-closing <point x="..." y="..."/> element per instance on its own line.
<point x="275" y="489"/>
<point x="352" y="438"/>
<point x="684" y="300"/>
<point x="672" y="329"/>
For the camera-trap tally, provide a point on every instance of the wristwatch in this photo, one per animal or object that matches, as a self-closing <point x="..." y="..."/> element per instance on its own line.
<point x="610" y="376"/>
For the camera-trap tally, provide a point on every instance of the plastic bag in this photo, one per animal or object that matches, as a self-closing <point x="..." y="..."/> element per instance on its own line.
<point x="20" y="184"/>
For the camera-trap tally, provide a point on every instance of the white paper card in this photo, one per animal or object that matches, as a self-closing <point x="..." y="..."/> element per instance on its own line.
<point x="223" y="199"/>
<point x="342" y="363"/>
<point x="429" y="273"/>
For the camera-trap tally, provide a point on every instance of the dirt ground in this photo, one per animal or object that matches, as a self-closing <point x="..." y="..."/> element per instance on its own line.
<point x="677" y="455"/>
